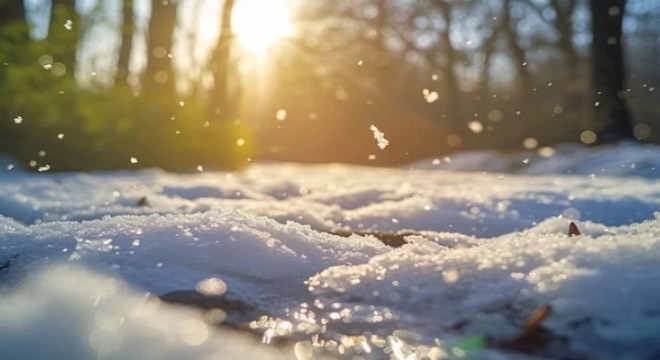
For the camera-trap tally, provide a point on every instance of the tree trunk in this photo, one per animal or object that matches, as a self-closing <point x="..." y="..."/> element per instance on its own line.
<point x="63" y="33"/>
<point x="14" y="31"/>
<point x="198" y="67"/>
<point x="564" y="26"/>
<point x="219" y="107"/>
<point x="519" y="54"/>
<point x="13" y="12"/>
<point x="123" y="61"/>
<point x="159" y="76"/>
<point x="451" y="90"/>
<point x="612" y="120"/>
<point x="489" y="49"/>
<point x="379" y="59"/>
<point x="575" y="95"/>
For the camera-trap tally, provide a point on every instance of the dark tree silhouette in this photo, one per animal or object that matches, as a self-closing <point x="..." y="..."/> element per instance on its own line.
<point x="219" y="107"/>
<point x="14" y="35"/>
<point x="126" y="42"/>
<point x="611" y="115"/>
<point x="158" y="76"/>
<point x="63" y="33"/>
<point x="12" y="12"/>
<point x="450" y="80"/>
<point x="518" y="53"/>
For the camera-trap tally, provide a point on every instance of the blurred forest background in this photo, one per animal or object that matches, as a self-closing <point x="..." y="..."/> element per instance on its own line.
<point x="186" y="84"/>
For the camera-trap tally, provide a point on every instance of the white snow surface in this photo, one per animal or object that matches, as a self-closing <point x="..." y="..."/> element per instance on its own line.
<point x="69" y="313"/>
<point x="81" y="258"/>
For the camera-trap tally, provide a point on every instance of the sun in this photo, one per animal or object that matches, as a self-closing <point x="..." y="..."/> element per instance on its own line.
<point x="258" y="24"/>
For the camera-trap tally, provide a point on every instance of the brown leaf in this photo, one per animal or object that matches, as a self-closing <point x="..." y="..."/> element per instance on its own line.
<point x="535" y="319"/>
<point x="142" y="201"/>
<point x="5" y="265"/>
<point x="394" y="239"/>
<point x="573" y="230"/>
<point x="533" y="337"/>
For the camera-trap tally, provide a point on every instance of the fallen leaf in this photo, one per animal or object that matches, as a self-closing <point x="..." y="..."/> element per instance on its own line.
<point x="573" y="230"/>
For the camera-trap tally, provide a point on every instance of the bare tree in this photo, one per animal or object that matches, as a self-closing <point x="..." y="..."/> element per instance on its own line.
<point x="197" y="67"/>
<point x="518" y="53"/>
<point x="159" y="75"/>
<point x="491" y="33"/>
<point x="450" y="80"/>
<point x="564" y="10"/>
<point x="379" y="59"/>
<point x="612" y="117"/>
<point x="13" y="12"/>
<point x="219" y="107"/>
<point x="123" y="59"/>
<point x="15" y="34"/>
<point x="63" y="33"/>
<point x="575" y="96"/>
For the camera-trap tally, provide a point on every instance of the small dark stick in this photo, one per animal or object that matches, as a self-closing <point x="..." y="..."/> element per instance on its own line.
<point x="142" y="201"/>
<point x="533" y="336"/>
<point x="6" y="265"/>
<point x="573" y="230"/>
<point x="534" y="320"/>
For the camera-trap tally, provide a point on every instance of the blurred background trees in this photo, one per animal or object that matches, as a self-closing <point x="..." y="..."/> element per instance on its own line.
<point x="179" y="84"/>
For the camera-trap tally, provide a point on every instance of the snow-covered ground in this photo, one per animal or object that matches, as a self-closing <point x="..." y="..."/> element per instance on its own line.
<point x="83" y="257"/>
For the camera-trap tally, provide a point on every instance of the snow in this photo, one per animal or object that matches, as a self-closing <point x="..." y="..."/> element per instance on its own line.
<point x="380" y="137"/>
<point x="484" y="250"/>
<point x="430" y="96"/>
<point x="67" y="312"/>
<point x="623" y="160"/>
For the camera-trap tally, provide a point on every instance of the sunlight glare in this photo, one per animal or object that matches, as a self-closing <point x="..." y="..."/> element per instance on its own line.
<point x="258" y="24"/>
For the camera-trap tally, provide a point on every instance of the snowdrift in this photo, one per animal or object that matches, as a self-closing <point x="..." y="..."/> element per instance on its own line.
<point x="84" y="257"/>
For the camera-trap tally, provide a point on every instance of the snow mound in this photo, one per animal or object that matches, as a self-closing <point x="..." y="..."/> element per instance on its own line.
<point x="70" y="313"/>
<point x="628" y="159"/>
<point x="162" y="253"/>
<point x="483" y="251"/>
<point x="330" y="197"/>
<point x="603" y="288"/>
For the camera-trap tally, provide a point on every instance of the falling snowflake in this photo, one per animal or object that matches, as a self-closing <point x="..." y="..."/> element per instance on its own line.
<point x="380" y="137"/>
<point x="430" y="96"/>
<point x="476" y="127"/>
<point x="68" y="25"/>
<point x="18" y="120"/>
<point x="280" y="115"/>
